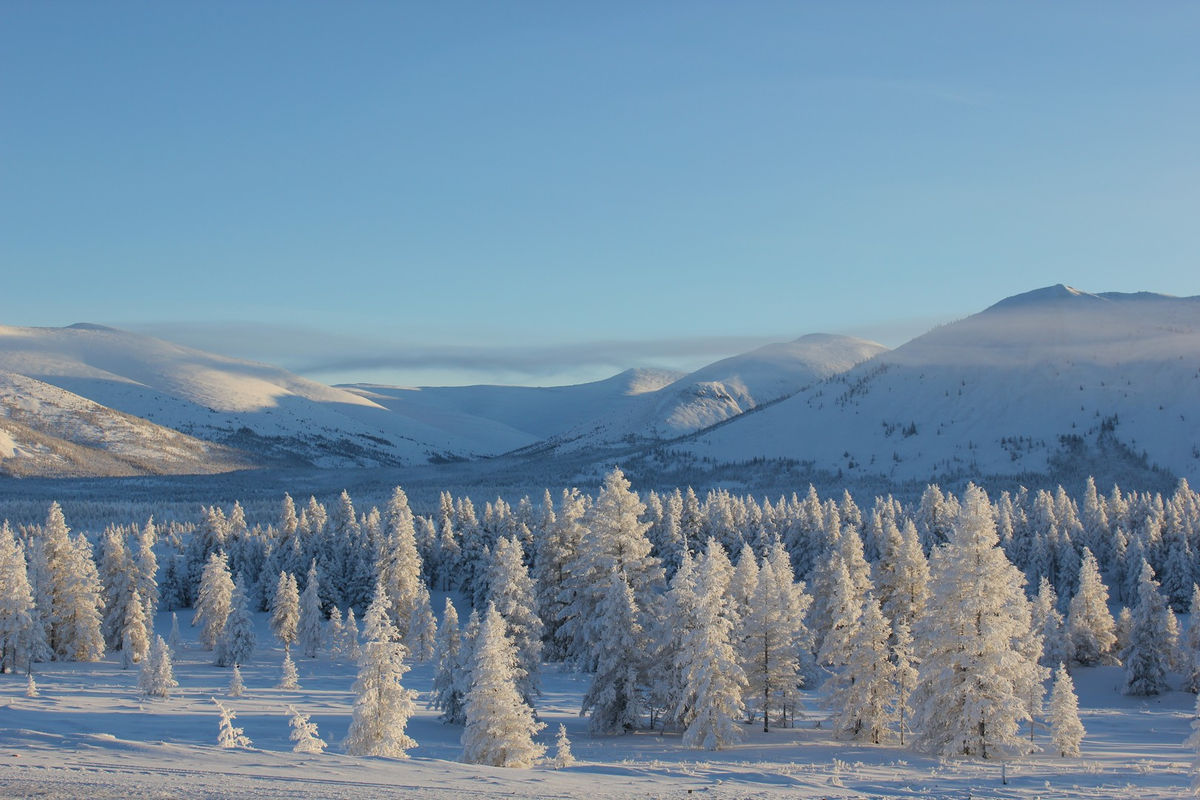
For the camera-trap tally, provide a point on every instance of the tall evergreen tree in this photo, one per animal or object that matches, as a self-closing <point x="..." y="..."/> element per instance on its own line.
<point x="1066" y="731"/>
<point x="614" y="701"/>
<point x="285" y="609"/>
<point x="512" y="595"/>
<point x="382" y="706"/>
<point x="863" y="693"/>
<point x="213" y="600"/>
<point x="236" y="643"/>
<point x="1089" y="622"/>
<point x="310" y="629"/>
<point x="447" y="696"/>
<point x="1148" y="654"/>
<point x="157" y="678"/>
<point x="22" y="637"/>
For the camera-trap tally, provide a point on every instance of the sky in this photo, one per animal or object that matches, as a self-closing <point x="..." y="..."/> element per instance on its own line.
<point x="546" y="192"/>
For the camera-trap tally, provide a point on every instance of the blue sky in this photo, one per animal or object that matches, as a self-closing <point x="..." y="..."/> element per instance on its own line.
<point x="533" y="192"/>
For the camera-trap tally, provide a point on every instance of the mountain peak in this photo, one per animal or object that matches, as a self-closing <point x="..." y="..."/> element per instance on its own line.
<point x="1057" y="293"/>
<point x="91" y="326"/>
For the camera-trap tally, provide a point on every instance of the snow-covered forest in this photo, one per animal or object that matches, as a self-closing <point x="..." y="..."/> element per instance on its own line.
<point x="950" y="628"/>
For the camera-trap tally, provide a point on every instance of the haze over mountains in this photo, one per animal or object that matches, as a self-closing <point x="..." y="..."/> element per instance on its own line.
<point x="1052" y="382"/>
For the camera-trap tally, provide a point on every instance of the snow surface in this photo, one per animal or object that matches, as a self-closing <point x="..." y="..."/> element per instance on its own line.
<point x="90" y="735"/>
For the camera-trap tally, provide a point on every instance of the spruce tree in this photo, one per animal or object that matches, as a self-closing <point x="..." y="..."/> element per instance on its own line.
<point x="1066" y="731"/>
<point x="500" y="726"/>
<point x="236" y="644"/>
<point x="22" y="637"/>
<point x="1148" y="655"/>
<point x="304" y="733"/>
<point x="447" y="696"/>
<point x="382" y="706"/>
<point x="135" y="633"/>
<point x="285" y="609"/>
<point x="310" y="629"/>
<point x="422" y="626"/>
<point x="288" y="678"/>
<point x="1089" y="622"/>
<point x="157" y="677"/>
<point x="563" y="757"/>
<point x="614" y="701"/>
<point x="770" y="643"/>
<point x="512" y="594"/>
<point x="863" y="691"/>
<point x="228" y="736"/>
<point x="1049" y="624"/>
<point x="237" y="687"/>
<point x="78" y="603"/>
<point x="213" y="600"/>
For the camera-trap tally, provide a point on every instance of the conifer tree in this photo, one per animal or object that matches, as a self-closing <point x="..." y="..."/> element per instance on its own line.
<point x="422" y="626"/>
<point x="863" y="692"/>
<point x="447" y="696"/>
<point x="237" y="687"/>
<point x="976" y="675"/>
<point x="1066" y="731"/>
<point x="337" y="633"/>
<point x="157" y="677"/>
<point x="904" y="663"/>
<point x="78" y="603"/>
<point x="512" y="594"/>
<point x="174" y="634"/>
<point x="145" y="568"/>
<point x="614" y="700"/>
<point x="554" y="551"/>
<point x="500" y="726"/>
<point x="22" y="637"/>
<point x="135" y="634"/>
<point x="668" y="691"/>
<point x="382" y="706"/>
<point x="289" y="678"/>
<point x="1123" y="629"/>
<point x="228" y="736"/>
<point x="1191" y="646"/>
<point x="399" y="564"/>
<point x="285" y="609"/>
<point x="116" y="574"/>
<point x="770" y="644"/>
<point x="31" y="688"/>
<point x="213" y="600"/>
<point x="563" y="757"/>
<point x="713" y="678"/>
<point x="1049" y="624"/>
<point x="236" y="644"/>
<point x="1089" y="622"/>
<point x="902" y="574"/>
<point x="310" y="629"/>
<point x="1148" y="654"/>
<point x="350" y="632"/>
<point x="304" y="733"/>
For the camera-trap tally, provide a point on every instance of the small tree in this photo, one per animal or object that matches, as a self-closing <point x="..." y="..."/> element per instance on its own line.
<point x="311" y="626"/>
<point x="236" y="686"/>
<point x="563" y="757"/>
<point x="1066" y="731"/>
<point x="289" y="679"/>
<point x="31" y="689"/>
<point x="446" y="695"/>
<point x="382" y="705"/>
<point x="229" y="736"/>
<point x="304" y="733"/>
<point x="500" y="726"/>
<point x="236" y="645"/>
<point x="174" y="639"/>
<point x="157" y="677"/>
<point x="285" y="609"/>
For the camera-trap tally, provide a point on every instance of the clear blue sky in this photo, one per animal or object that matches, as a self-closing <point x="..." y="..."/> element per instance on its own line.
<point x="445" y="192"/>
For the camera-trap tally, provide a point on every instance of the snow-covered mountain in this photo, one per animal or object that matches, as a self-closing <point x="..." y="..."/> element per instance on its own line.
<point x="1054" y="381"/>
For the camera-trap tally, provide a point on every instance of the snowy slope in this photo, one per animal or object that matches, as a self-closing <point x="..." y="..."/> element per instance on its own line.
<point x="275" y="415"/>
<point x="723" y="390"/>
<point x="994" y="394"/>
<point x="47" y="431"/>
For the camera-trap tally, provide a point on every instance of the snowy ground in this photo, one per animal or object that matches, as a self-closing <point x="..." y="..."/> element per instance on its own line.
<point x="89" y="735"/>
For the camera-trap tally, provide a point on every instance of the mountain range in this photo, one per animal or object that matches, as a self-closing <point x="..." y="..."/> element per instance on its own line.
<point x="1053" y="383"/>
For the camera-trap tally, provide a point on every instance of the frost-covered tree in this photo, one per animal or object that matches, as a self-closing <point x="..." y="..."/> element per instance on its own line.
<point x="744" y="582"/>
<point x="614" y="699"/>
<point x="1151" y="644"/>
<point x="512" y="594"/>
<point x="1089" y="622"/>
<point x="863" y="692"/>
<point x="78" y="604"/>
<point x="157" y="677"/>
<point x="1066" y="731"/>
<point x="135" y="633"/>
<point x="668" y="690"/>
<point x="770" y="641"/>
<point x="976" y="675"/>
<point x="175" y="638"/>
<point x="1123" y="629"/>
<point x="399" y="564"/>
<point x="236" y="644"/>
<point x="447" y="694"/>
<point x="563" y="757"/>
<point x="31" y="687"/>
<point x="304" y="733"/>
<point x="237" y="687"/>
<point x="905" y="675"/>
<point x="22" y="637"/>
<point x="337" y="633"/>
<point x="310" y="629"/>
<point x="902" y="574"/>
<point x="145" y="568"/>
<point x="382" y="706"/>
<point x="1049" y="624"/>
<point x="288" y="677"/>
<point x="843" y="607"/>
<point x="500" y="726"/>
<point x="554" y="551"/>
<point x="1190" y="649"/>
<point x="115" y="568"/>
<point x="422" y="627"/>
<point x="285" y="609"/>
<point x="229" y="736"/>
<point x="213" y="600"/>
<point x="713" y="677"/>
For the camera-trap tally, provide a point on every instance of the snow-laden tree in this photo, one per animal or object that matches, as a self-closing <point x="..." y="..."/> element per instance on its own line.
<point x="135" y="632"/>
<point x="115" y="568"/>
<point x="1190" y="648"/>
<point x="285" y="609"/>
<point x="1089" y="622"/>
<point x="976" y="673"/>
<point x="744" y="582"/>
<point x="668" y="689"/>
<point x="843" y="606"/>
<point x="863" y="693"/>
<point x="614" y="540"/>
<point x="304" y="733"/>
<point x="1123" y="629"/>
<point x="554" y="550"/>
<point x="614" y="701"/>
<point x="22" y="637"/>
<point x="500" y="726"/>
<point x="213" y="600"/>
<point x="1066" y="731"/>
<point x="1151" y="643"/>
<point x="902" y="574"/>
<point x="31" y="687"/>
<point x="236" y="644"/>
<point x="175" y="638"/>
<point x="512" y="594"/>
<point x="337" y="633"/>
<point x="713" y="678"/>
<point x="78" y="604"/>
<point x="447" y="694"/>
<point x="563" y="757"/>
<point x="382" y="706"/>
<point x="399" y="564"/>
<point x="157" y="677"/>
<point x="310" y="629"/>
<point x="237" y="687"/>
<point x="145" y="568"/>
<point x="422" y="627"/>
<point x="1049" y="624"/>
<point x="770" y="640"/>
<point x="288" y="677"/>
<point x="905" y="675"/>
<point x="229" y="736"/>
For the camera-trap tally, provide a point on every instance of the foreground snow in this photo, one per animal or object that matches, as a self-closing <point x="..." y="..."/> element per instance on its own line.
<point x="88" y="734"/>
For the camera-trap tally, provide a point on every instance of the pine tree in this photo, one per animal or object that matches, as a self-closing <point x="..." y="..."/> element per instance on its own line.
<point x="382" y="706"/>
<point x="337" y="633"/>
<point x="1049" y="624"/>
<point x="174" y="635"/>
<point x="22" y="637"/>
<point x="906" y="673"/>
<point x="310" y="630"/>
<point x="1089" y="622"/>
<point x="399" y="564"/>
<point x="78" y="605"/>
<point x="237" y="686"/>
<point x="285" y="609"/>
<point x="976" y="675"/>
<point x="289" y="678"/>
<point x="116" y="574"/>
<point x="228" y="736"/>
<point x="304" y="733"/>
<point x="145" y="568"/>
<point x="31" y="688"/>
<point x="1148" y="655"/>
<point x="447" y="697"/>
<point x="563" y="757"/>
<point x="614" y="699"/>
<point x="499" y="725"/>
<point x="213" y="600"/>
<point x="512" y="594"/>
<point x="422" y="626"/>
<point x="157" y="677"/>
<point x="1066" y="731"/>
<point x="713" y="678"/>
<point x="236" y="643"/>
<point x="135" y="635"/>
<point x="863" y="691"/>
<point x="770" y="643"/>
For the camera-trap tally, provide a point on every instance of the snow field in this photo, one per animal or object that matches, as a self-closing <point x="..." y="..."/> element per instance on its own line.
<point x="89" y="734"/>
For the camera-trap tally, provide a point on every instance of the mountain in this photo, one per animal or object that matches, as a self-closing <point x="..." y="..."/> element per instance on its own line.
<point x="268" y="414"/>
<point x="1052" y="382"/>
